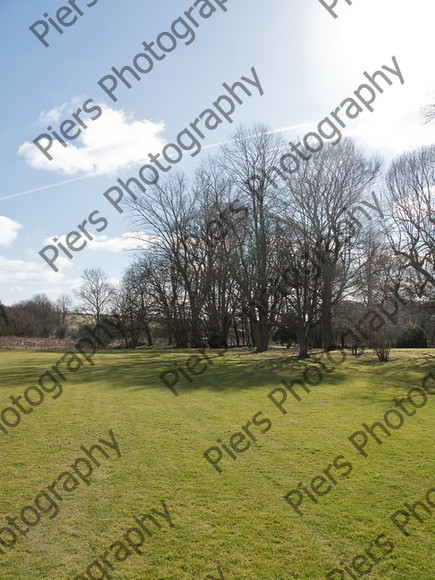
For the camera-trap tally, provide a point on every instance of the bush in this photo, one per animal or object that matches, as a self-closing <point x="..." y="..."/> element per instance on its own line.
<point x="381" y="343"/>
<point x="60" y="331"/>
<point x="412" y="337"/>
<point x="383" y="353"/>
<point x="284" y="336"/>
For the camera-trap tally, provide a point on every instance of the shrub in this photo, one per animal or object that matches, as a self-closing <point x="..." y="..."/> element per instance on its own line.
<point x="60" y="331"/>
<point x="412" y="337"/>
<point x="383" y="353"/>
<point x="381" y="343"/>
<point x="284" y="336"/>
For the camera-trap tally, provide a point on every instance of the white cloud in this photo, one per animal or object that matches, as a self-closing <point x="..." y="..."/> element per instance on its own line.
<point x="19" y="271"/>
<point x="61" y="239"/>
<point x="52" y="116"/>
<point x="110" y="143"/>
<point x="8" y="230"/>
<point x="126" y="241"/>
<point x="21" y="279"/>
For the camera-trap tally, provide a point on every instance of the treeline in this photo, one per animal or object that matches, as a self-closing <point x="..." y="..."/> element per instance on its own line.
<point x="38" y="317"/>
<point x="257" y="247"/>
<point x="326" y="250"/>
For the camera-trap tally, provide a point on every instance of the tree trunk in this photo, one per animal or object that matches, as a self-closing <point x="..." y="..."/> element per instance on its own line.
<point x="303" y="342"/>
<point x="326" y="318"/>
<point x="253" y="335"/>
<point x="195" y="328"/>
<point x="148" y="334"/>
<point x="236" y="332"/>
<point x="261" y="335"/>
<point x="181" y="335"/>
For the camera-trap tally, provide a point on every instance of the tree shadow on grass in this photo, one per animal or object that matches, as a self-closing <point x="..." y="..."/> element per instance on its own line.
<point x="229" y="373"/>
<point x="243" y="370"/>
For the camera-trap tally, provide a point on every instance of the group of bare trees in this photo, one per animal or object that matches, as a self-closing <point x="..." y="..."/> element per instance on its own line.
<point x="38" y="317"/>
<point x="235" y="251"/>
<point x="251" y="246"/>
<point x="411" y="188"/>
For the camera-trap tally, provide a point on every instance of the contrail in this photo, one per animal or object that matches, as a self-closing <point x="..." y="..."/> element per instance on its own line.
<point x="213" y="145"/>
<point x="43" y="187"/>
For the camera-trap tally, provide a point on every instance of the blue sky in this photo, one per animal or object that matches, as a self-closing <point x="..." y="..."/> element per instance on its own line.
<point x="307" y="62"/>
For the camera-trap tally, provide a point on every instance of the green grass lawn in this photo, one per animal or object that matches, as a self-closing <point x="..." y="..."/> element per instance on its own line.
<point x="238" y="518"/>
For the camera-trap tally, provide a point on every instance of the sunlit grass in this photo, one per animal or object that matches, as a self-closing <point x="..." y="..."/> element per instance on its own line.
<point x="237" y="518"/>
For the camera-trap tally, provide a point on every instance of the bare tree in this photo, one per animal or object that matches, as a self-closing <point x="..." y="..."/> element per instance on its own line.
<point x="256" y="259"/>
<point x="318" y="197"/>
<point x="95" y="294"/>
<point x="218" y="215"/>
<point x="170" y="298"/>
<point x="133" y="305"/>
<point x="169" y="213"/>
<point x="411" y="208"/>
<point x="3" y="315"/>
<point x="301" y="285"/>
<point x="428" y="112"/>
<point x="63" y="304"/>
